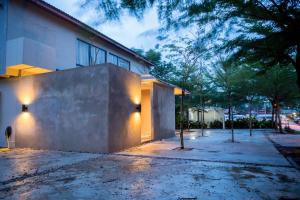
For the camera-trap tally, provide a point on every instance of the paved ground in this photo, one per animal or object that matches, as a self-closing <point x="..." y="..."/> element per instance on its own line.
<point x="213" y="169"/>
<point x="217" y="146"/>
<point x="290" y="140"/>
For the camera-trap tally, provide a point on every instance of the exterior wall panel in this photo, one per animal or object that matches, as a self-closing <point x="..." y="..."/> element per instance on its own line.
<point x="163" y="110"/>
<point x="84" y="109"/>
<point x="50" y="41"/>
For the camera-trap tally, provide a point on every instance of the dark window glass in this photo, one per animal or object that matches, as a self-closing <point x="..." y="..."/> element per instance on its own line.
<point x="116" y="60"/>
<point x="97" y="56"/>
<point x="82" y="53"/>
<point x="124" y="63"/>
<point x="113" y="59"/>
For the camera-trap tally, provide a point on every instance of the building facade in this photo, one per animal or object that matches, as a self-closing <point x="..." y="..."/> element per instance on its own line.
<point x="82" y="90"/>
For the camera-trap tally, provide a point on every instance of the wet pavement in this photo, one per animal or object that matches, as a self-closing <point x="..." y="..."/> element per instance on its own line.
<point x="216" y="146"/>
<point x="225" y="173"/>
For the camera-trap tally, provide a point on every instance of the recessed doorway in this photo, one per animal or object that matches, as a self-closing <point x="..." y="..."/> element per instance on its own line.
<point x="146" y="128"/>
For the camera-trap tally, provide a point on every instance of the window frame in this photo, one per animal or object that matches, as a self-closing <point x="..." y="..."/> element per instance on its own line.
<point x="89" y="52"/>
<point x="105" y="53"/>
<point x="118" y="64"/>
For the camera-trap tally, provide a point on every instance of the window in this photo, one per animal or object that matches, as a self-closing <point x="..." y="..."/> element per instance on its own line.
<point x="113" y="59"/>
<point x="124" y="63"/>
<point x="121" y="62"/>
<point x="88" y="54"/>
<point x="82" y="53"/>
<point x="97" y="56"/>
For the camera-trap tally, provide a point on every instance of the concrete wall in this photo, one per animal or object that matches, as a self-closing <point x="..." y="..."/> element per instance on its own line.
<point x="163" y="111"/>
<point x="72" y="110"/>
<point x="39" y="38"/>
<point x="124" y="118"/>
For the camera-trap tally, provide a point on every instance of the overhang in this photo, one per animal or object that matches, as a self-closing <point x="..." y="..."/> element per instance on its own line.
<point x="147" y="79"/>
<point x="24" y="70"/>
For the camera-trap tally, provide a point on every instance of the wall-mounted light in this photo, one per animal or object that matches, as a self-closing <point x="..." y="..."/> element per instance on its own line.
<point x="24" y="108"/>
<point x="138" y="108"/>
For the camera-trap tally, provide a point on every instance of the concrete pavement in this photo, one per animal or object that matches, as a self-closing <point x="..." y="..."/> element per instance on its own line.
<point x="217" y="146"/>
<point x="156" y="171"/>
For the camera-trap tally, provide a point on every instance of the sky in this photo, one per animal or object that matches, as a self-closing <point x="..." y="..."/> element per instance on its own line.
<point x="128" y="31"/>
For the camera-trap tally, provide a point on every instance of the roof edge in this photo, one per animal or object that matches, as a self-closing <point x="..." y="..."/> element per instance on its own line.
<point x="76" y="22"/>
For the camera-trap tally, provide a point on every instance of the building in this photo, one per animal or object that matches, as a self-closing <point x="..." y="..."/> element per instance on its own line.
<point x="210" y="115"/>
<point x="66" y="86"/>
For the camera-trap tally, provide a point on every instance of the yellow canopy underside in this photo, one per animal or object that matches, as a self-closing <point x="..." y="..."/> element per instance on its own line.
<point x="24" y="70"/>
<point x="147" y="80"/>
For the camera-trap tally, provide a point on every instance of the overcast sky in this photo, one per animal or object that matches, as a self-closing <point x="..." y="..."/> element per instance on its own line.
<point x="129" y="31"/>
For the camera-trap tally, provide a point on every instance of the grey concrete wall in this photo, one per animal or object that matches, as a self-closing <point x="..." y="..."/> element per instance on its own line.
<point x="124" y="119"/>
<point x="71" y="110"/>
<point x="9" y="108"/>
<point x="163" y="111"/>
<point x="38" y="38"/>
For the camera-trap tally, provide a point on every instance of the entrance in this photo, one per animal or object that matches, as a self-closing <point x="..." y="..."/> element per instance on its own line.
<point x="146" y="119"/>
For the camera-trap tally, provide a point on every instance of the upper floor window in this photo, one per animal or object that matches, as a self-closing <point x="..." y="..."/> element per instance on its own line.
<point x="97" y="56"/>
<point x="88" y="54"/>
<point x="121" y="62"/>
<point x="113" y="59"/>
<point x="124" y="63"/>
<point x="83" y="53"/>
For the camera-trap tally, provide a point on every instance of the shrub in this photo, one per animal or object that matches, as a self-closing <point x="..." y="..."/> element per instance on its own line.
<point x="265" y="124"/>
<point x="244" y="123"/>
<point x="216" y="124"/>
<point x="197" y="125"/>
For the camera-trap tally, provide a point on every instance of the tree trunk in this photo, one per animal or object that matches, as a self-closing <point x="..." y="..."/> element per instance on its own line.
<point x="297" y="67"/>
<point x="181" y="121"/>
<point x="273" y="116"/>
<point x="279" y="119"/>
<point x="276" y="117"/>
<point x="202" y="118"/>
<point x="250" y="118"/>
<point x="232" y="130"/>
<point x="230" y="117"/>
<point x="188" y="120"/>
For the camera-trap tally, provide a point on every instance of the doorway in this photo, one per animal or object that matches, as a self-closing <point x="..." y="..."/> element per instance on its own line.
<point x="146" y="119"/>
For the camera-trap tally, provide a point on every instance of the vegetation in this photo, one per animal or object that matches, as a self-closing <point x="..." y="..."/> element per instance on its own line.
<point x="264" y="32"/>
<point x="244" y="54"/>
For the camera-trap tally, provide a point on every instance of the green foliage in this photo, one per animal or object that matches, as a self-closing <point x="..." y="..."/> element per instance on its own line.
<point x="216" y="124"/>
<point x="264" y="32"/>
<point x="244" y="123"/>
<point x="278" y="84"/>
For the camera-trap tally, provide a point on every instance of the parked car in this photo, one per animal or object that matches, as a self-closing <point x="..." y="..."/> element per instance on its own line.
<point x="297" y="120"/>
<point x="262" y="117"/>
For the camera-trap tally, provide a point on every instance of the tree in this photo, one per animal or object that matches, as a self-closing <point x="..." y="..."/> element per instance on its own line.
<point x="183" y="55"/>
<point x="200" y="93"/>
<point x="248" y="89"/>
<point x="162" y="70"/>
<point x="278" y="86"/>
<point x="226" y="82"/>
<point x="263" y="31"/>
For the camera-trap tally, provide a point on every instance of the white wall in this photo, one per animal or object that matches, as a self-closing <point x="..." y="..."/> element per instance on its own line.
<point x="209" y="116"/>
<point x="38" y="38"/>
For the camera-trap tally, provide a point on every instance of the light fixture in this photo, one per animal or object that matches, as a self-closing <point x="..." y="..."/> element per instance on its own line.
<point x="24" y="108"/>
<point x="138" y="108"/>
